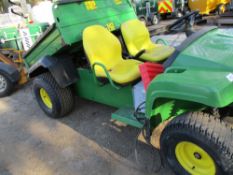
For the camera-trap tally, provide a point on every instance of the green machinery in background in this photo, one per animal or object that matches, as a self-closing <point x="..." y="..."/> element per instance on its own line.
<point x="190" y="102"/>
<point x="16" y="29"/>
<point x="151" y="11"/>
<point x="17" y="35"/>
<point x="146" y="10"/>
<point x="21" y="38"/>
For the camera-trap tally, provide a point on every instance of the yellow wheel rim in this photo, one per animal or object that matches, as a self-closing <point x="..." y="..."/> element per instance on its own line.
<point x="194" y="159"/>
<point x="45" y="98"/>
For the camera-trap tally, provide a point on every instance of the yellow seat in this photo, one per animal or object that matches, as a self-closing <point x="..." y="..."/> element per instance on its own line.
<point x="137" y="39"/>
<point x="101" y="46"/>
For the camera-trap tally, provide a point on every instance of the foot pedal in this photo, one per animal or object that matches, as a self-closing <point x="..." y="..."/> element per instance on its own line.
<point x="126" y="115"/>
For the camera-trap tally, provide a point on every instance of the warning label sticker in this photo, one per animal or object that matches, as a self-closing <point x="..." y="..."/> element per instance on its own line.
<point x="230" y="77"/>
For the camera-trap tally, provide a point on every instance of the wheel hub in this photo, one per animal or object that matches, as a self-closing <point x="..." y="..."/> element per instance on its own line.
<point x="45" y="98"/>
<point x="197" y="155"/>
<point x="194" y="159"/>
<point x="3" y="83"/>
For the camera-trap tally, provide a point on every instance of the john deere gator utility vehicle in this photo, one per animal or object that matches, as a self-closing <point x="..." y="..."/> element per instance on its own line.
<point x="97" y="50"/>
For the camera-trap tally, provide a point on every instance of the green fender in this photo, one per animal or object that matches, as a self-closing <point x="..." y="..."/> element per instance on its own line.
<point x="208" y="88"/>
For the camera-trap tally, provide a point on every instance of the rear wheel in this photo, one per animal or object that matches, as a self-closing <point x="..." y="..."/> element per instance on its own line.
<point x="55" y="101"/>
<point x="6" y="85"/>
<point x="154" y="20"/>
<point x="198" y="144"/>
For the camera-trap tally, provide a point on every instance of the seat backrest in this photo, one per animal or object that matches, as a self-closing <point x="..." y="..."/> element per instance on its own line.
<point x="136" y="36"/>
<point x="101" y="46"/>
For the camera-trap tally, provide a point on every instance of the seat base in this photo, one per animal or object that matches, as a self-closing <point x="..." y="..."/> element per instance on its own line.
<point x="158" y="53"/>
<point x="126" y="71"/>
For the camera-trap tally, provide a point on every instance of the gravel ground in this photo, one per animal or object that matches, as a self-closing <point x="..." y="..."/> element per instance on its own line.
<point x="84" y="143"/>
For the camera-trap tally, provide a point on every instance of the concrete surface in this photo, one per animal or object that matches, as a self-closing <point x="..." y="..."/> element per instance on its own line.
<point x="86" y="142"/>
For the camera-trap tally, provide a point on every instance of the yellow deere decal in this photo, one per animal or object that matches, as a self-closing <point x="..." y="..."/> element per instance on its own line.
<point x="90" y="5"/>
<point x="110" y="26"/>
<point x="165" y="6"/>
<point x="118" y="1"/>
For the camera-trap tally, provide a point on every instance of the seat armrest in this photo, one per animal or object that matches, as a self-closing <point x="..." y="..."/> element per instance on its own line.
<point x="163" y="41"/>
<point x="106" y="72"/>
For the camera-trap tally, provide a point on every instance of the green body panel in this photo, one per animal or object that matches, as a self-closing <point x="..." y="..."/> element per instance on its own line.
<point x="165" y="108"/>
<point x="48" y="45"/>
<point x="72" y="18"/>
<point x="71" y="25"/>
<point x="211" y="52"/>
<point x="87" y="88"/>
<point x="11" y="35"/>
<point x="199" y="74"/>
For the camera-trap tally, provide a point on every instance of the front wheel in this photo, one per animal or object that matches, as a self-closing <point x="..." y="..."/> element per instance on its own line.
<point x="55" y="101"/>
<point x="6" y="85"/>
<point x="154" y="20"/>
<point x="198" y="144"/>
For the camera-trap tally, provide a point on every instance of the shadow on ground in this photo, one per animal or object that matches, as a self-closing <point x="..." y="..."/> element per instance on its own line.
<point x="93" y="121"/>
<point x="87" y="142"/>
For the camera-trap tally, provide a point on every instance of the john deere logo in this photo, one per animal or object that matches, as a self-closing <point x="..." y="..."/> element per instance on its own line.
<point x="90" y="5"/>
<point x="118" y="1"/>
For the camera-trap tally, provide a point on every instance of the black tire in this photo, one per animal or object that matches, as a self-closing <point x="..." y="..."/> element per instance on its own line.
<point x="163" y="16"/>
<point x="154" y="20"/>
<point x="205" y="131"/>
<point x="62" y="99"/>
<point x="142" y="19"/>
<point x="8" y="86"/>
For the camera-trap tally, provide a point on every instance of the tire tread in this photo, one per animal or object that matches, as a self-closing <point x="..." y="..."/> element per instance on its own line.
<point x="64" y="95"/>
<point x="213" y="129"/>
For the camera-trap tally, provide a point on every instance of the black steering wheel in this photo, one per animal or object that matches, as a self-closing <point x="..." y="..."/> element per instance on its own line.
<point x="184" y="23"/>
